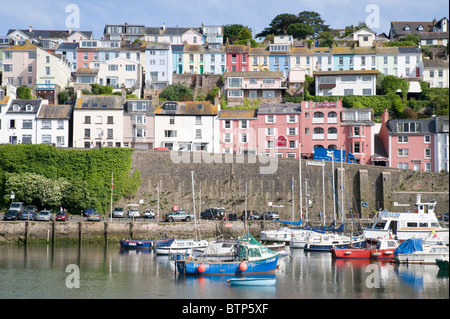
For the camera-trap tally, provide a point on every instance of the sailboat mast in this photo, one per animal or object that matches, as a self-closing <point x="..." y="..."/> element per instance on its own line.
<point x="323" y="190"/>
<point x="334" y="198"/>
<point x="300" y="176"/>
<point x="342" y="188"/>
<point x="193" y="202"/>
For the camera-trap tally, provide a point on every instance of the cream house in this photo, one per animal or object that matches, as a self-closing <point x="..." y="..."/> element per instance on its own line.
<point x="98" y="121"/>
<point x="121" y="73"/>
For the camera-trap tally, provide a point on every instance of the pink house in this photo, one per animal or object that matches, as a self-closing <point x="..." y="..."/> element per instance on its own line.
<point x="320" y="126"/>
<point x="238" y="131"/>
<point x="85" y="56"/>
<point x="237" y="58"/>
<point x="278" y="130"/>
<point x="409" y="143"/>
<point x="19" y="65"/>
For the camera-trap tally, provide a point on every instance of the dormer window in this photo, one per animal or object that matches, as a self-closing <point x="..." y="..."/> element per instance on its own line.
<point x="420" y="28"/>
<point x="16" y="107"/>
<point x="29" y="108"/>
<point x="407" y="28"/>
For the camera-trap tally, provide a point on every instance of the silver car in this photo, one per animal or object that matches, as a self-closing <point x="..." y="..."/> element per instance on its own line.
<point x="118" y="212"/>
<point x="45" y="215"/>
<point x="95" y="216"/>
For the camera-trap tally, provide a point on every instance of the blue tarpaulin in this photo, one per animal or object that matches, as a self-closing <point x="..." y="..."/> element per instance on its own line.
<point x="409" y="246"/>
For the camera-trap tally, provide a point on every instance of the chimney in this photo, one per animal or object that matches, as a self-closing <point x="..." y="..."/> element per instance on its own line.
<point x="30" y="29"/>
<point x="385" y="116"/>
<point x="78" y="93"/>
<point x="164" y="26"/>
<point x="70" y="30"/>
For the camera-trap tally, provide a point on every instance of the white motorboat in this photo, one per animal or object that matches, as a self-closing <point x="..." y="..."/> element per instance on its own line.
<point x="325" y="242"/>
<point x="299" y="239"/>
<point x="181" y="246"/>
<point x="283" y="234"/>
<point x="422" y="223"/>
<point x="413" y="251"/>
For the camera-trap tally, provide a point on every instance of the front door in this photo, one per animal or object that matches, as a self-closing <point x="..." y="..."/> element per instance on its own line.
<point x="201" y="69"/>
<point x="417" y="167"/>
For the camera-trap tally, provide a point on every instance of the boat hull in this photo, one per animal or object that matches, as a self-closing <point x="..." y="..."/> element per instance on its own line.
<point x="252" y="281"/>
<point x="442" y="263"/>
<point x="142" y="244"/>
<point x="354" y="253"/>
<point x="195" y="267"/>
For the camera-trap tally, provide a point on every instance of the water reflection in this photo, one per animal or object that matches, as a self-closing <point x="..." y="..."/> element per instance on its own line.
<point x="106" y="271"/>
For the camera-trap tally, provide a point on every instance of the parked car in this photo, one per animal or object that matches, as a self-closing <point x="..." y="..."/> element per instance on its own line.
<point x="26" y="215"/>
<point x="17" y="206"/>
<point x="11" y="215"/>
<point x="213" y="213"/>
<point x="149" y="213"/>
<point x="251" y="215"/>
<point x="32" y="208"/>
<point x="270" y="216"/>
<point x="118" y="212"/>
<point x="44" y="215"/>
<point x="178" y="215"/>
<point x="94" y="216"/>
<point x="446" y="217"/>
<point x="61" y="215"/>
<point x="134" y="212"/>
<point x="88" y="211"/>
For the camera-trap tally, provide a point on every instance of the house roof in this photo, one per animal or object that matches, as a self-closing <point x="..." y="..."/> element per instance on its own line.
<point x="427" y="126"/>
<point x="237" y="48"/>
<point x="168" y="30"/>
<point x="49" y="111"/>
<point x="45" y="34"/>
<point x="442" y="124"/>
<point x="86" y="71"/>
<point x="237" y="114"/>
<point x="68" y="46"/>
<point x="157" y="46"/>
<point x="398" y="27"/>
<point x="35" y="104"/>
<point x="186" y="108"/>
<point x="22" y="47"/>
<point x="435" y="63"/>
<point x="286" y="108"/>
<point x="347" y="72"/>
<point x="409" y="50"/>
<point x="98" y="102"/>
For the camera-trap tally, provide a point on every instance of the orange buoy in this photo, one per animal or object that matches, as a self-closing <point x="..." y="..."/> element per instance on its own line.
<point x="201" y="268"/>
<point x="242" y="266"/>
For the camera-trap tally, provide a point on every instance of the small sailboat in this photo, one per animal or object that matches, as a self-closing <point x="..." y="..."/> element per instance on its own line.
<point x="181" y="246"/>
<point x="326" y="242"/>
<point x="413" y="251"/>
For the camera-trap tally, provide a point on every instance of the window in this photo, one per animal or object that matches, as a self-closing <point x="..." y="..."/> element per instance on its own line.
<point x="292" y="118"/>
<point x="47" y="70"/>
<point x="268" y="94"/>
<point x="46" y="139"/>
<point x="292" y="144"/>
<point x="402" y="139"/>
<point x="440" y="73"/>
<point x="87" y="133"/>
<point x="113" y="67"/>
<point x="26" y="139"/>
<point x="403" y="152"/>
<point x="227" y="138"/>
<point x="130" y="67"/>
<point x="170" y="133"/>
<point x="198" y="120"/>
<point x="427" y="153"/>
<point x="341" y="60"/>
<point x="408" y="127"/>
<point x="27" y="124"/>
<point x="427" y="167"/>
<point x="385" y="61"/>
<point x="269" y="144"/>
<point x="270" y="118"/>
<point x="244" y="138"/>
<point x="357" y="147"/>
<point x="139" y="132"/>
<point x="292" y="131"/>
<point x="235" y="82"/>
<point x="110" y="120"/>
<point x="235" y="93"/>
<point x="46" y="124"/>
<point x="348" y="91"/>
<point x="227" y="124"/>
<point x="367" y="91"/>
<point x="198" y="133"/>
<point x="110" y="133"/>
<point x="270" y="131"/>
<point x="244" y="124"/>
<point x="30" y="68"/>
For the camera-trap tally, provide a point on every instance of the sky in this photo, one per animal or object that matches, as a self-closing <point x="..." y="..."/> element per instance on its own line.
<point x="92" y="15"/>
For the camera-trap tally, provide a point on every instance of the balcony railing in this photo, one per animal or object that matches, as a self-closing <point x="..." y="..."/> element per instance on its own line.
<point x="45" y="86"/>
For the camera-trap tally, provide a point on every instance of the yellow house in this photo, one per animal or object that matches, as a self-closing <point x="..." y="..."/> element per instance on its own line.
<point x="193" y="59"/>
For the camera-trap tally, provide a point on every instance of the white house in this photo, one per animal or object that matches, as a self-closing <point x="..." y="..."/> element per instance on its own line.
<point x="19" y="121"/>
<point x="350" y="82"/>
<point x="410" y="62"/>
<point x="158" y="65"/>
<point x="52" y="125"/>
<point x="121" y="73"/>
<point x="435" y="72"/>
<point x="441" y="146"/>
<point x="186" y="126"/>
<point x="98" y="121"/>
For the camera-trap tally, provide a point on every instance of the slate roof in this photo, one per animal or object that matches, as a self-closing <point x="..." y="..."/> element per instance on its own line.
<point x="186" y="108"/>
<point x="427" y="126"/>
<point x="49" y="34"/>
<point x="237" y="114"/>
<point x="435" y="63"/>
<point x="68" y="46"/>
<point x="99" y="102"/>
<point x="49" y="111"/>
<point x="286" y="108"/>
<point x="23" y="104"/>
<point x="434" y="35"/>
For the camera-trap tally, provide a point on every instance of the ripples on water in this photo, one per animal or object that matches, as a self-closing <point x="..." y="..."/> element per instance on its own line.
<point x="39" y="271"/>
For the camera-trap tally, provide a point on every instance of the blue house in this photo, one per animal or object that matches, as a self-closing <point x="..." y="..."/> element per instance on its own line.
<point x="177" y="58"/>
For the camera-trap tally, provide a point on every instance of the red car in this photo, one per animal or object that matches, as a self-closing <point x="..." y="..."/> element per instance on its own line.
<point x="61" y="216"/>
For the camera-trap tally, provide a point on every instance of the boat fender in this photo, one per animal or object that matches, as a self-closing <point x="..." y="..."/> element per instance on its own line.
<point x="364" y="204"/>
<point x="201" y="268"/>
<point x="242" y="266"/>
<point x="376" y="254"/>
<point x="348" y="252"/>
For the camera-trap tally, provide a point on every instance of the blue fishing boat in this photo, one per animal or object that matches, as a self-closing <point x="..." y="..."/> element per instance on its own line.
<point x="252" y="281"/>
<point x="250" y="257"/>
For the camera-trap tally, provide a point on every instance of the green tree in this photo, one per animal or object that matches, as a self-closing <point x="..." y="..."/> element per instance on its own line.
<point x="391" y="84"/>
<point x="63" y="97"/>
<point x="231" y="32"/>
<point x="300" y="30"/>
<point x="177" y="92"/>
<point x="326" y="39"/>
<point x="23" y="93"/>
<point x="279" y="24"/>
<point x="313" y="19"/>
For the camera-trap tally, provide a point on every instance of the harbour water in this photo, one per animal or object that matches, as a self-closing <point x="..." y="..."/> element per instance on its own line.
<point x="106" y="271"/>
